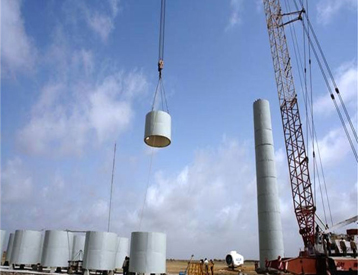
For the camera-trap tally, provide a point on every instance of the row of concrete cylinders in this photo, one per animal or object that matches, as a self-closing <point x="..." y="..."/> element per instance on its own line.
<point x="56" y="248"/>
<point x="101" y="250"/>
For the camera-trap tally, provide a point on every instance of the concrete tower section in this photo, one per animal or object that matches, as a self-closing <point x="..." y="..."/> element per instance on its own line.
<point x="269" y="215"/>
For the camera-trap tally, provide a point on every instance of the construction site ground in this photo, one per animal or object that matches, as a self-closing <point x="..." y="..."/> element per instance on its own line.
<point x="173" y="268"/>
<point x="220" y="267"/>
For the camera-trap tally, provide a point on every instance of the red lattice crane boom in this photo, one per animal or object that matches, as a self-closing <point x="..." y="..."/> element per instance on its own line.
<point x="295" y="148"/>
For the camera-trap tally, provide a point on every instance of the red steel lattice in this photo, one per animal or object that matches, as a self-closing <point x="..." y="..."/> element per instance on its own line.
<point x="292" y="127"/>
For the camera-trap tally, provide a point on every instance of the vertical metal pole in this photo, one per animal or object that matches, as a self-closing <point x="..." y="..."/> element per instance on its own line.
<point x="110" y="198"/>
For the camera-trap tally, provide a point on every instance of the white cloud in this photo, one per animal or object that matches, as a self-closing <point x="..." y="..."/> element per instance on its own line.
<point x="108" y="116"/>
<point x="103" y="23"/>
<point x="207" y="199"/>
<point x="60" y="128"/>
<point x="327" y="9"/>
<point x="211" y="201"/>
<point x="235" y="19"/>
<point x="18" y="53"/>
<point x="334" y="145"/>
<point x="99" y="209"/>
<point x="84" y="102"/>
<point x="16" y="184"/>
<point x="83" y="60"/>
<point x="346" y="77"/>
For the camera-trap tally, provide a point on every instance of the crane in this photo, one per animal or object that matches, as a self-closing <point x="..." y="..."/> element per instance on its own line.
<point x="310" y="261"/>
<point x="295" y="147"/>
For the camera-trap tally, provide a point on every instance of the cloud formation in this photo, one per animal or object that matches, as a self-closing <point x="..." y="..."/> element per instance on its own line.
<point x="346" y="77"/>
<point x="103" y="113"/>
<point x="327" y="9"/>
<point x="213" y="197"/>
<point x="235" y="19"/>
<point x="102" y="23"/>
<point x="18" y="53"/>
<point x="334" y="144"/>
<point x="17" y="184"/>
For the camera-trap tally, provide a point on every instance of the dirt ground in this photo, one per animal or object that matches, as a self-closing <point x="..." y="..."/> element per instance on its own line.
<point x="220" y="267"/>
<point x="176" y="266"/>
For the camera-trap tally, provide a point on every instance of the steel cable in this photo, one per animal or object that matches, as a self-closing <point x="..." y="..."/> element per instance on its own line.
<point x="329" y="71"/>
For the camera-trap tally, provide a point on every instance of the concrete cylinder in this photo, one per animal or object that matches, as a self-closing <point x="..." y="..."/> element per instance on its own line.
<point x="148" y="252"/>
<point x="157" y="129"/>
<point x="26" y="248"/>
<point x="10" y="245"/>
<point x="100" y="251"/>
<point x="122" y="251"/>
<point x="2" y="240"/>
<point x="268" y="205"/>
<point x="57" y="248"/>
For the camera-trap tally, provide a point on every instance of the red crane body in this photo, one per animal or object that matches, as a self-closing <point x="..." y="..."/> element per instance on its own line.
<point x="311" y="261"/>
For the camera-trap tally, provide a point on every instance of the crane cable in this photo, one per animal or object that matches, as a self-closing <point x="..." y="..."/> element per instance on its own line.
<point x="161" y="36"/>
<point x="314" y="134"/>
<point x="111" y="193"/>
<point x="160" y="86"/>
<point x="161" y="90"/>
<point x="315" y="164"/>
<point x="315" y="139"/>
<point x="309" y="108"/>
<point x="328" y="85"/>
<point x="331" y="76"/>
<point x="311" y="112"/>
<point x="311" y="129"/>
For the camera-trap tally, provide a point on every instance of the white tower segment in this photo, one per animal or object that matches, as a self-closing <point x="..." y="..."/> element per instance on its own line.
<point x="269" y="215"/>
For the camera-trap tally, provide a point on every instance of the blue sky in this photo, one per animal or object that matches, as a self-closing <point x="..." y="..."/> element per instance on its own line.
<point x="77" y="76"/>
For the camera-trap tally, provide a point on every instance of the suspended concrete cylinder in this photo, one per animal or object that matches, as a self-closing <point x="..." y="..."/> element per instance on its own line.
<point x="10" y="246"/>
<point x="100" y="251"/>
<point x="78" y="247"/>
<point x="27" y="246"/>
<point x="148" y="252"/>
<point x="122" y="251"/>
<point x="57" y="248"/>
<point x="157" y="129"/>
<point x="269" y="216"/>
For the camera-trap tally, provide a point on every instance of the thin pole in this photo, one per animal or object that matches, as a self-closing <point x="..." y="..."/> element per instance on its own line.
<point x="110" y="198"/>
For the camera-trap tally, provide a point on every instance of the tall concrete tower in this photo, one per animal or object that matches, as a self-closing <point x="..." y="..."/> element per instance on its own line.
<point x="270" y="230"/>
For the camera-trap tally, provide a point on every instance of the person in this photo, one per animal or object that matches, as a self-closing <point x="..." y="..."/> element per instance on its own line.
<point x="212" y="267"/>
<point x="329" y="245"/>
<point x="206" y="263"/>
<point x="353" y="247"/>
<point x="125" y="265"/>
<point x="201" y="262"/>
<point x="343" y="246"/>
<point x="317" y="234"/>
<point x="326" y="245"/>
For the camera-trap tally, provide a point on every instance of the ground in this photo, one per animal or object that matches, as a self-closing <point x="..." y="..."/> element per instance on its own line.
<point x="220" y="267"/>
<point x="176" y="266"/>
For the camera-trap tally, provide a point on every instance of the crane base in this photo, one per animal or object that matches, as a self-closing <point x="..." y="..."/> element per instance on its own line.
<point x="312" y="265"/>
